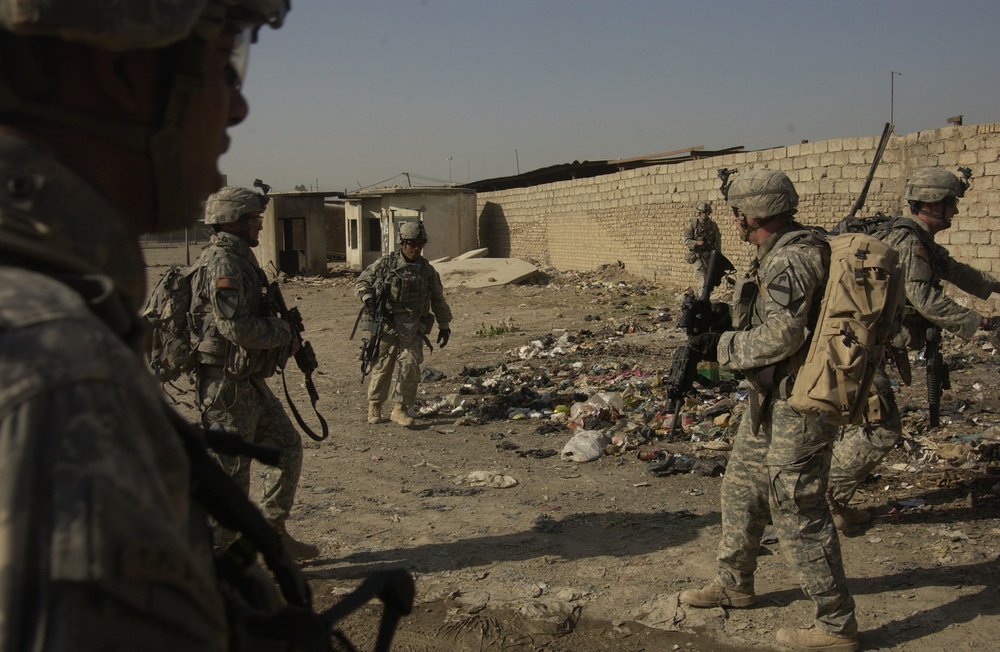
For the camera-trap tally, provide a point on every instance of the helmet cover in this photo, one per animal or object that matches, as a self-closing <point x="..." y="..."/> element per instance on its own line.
<point x="412" y="231"/>
<point x="763" y="193"/>
<point x="128" y="24"/>
<point x="231" y="203"/>
<point x="932" y="184"/>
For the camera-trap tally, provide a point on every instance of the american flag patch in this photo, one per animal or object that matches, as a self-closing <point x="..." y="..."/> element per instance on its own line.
<point x="228" y="283"/>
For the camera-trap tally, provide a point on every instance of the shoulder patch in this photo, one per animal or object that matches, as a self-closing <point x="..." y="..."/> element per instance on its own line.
<point x="780" y="289"/>
<point x="922" y="253"/>
<point x="228" y="283"/>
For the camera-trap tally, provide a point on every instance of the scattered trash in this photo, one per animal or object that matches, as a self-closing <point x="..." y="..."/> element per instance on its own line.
<point x="489" y="479"/>
<point x="585" y="446"/>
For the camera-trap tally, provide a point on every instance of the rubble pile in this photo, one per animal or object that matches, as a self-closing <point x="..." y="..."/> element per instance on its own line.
<point x="601" y="391"/>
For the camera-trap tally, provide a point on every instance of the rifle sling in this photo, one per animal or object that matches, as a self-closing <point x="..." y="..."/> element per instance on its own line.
<point x="221" y="498"/>
<point x="313" y="396"/>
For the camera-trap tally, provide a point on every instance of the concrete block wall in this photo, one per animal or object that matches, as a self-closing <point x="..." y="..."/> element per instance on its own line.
<point x="638" y="216"/>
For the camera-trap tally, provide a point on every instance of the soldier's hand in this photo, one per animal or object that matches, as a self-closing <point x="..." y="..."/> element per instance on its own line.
<point x="370" y="306"/>
<point x="442" y="338"/>
<point x="294" y="347"/>
<point x="707" y="346"/>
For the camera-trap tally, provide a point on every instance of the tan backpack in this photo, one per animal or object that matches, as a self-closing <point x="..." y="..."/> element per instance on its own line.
<point x="861" y="310"/>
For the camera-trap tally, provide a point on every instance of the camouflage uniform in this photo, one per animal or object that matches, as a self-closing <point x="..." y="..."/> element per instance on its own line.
<point x="103" y="546"/>
<point x="239" y="345"/>
<point x="925" y="264"/>
<point x="415" y="292"/>
<point x="708" y="232"/>
<point x="780" y="460"/>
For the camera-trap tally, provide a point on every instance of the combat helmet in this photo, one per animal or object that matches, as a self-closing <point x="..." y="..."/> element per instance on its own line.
<point x="412" y="231"/>
<point x="187" y="26"/>
<point x="231" y="203"/>
<point x="703" y="207"/>
<point x="762" y="194"/>
<point x="932" y="184"/>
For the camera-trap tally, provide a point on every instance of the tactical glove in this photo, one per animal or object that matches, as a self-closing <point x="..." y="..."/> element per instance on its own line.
<point x="706" y="345"/>
<point x="443" y="336"/>
<point x="370" y="306"/>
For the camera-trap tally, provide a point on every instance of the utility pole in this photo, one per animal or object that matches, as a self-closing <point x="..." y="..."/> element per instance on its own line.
<point x="449" y="169"/>
<point x="892" y="93"/>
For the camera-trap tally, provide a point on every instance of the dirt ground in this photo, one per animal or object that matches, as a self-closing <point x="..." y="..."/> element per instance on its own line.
<point x="591" y="556"/>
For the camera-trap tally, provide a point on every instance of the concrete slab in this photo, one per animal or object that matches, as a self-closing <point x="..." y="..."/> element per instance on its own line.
<point x="475" y="253"/>
<point x="438" y="261"/>
<point x="484" y="272"/>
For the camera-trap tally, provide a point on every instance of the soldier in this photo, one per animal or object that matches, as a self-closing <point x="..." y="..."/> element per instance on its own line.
<point x="701" y="237"/>
<point x="240" y="342"/>
<point x="781" y="459"/>
<point x="932" y="194"/>
<point x="415" y="291"/>
<point x="112" y="119"/>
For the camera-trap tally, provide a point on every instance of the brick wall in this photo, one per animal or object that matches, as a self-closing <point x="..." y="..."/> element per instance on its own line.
<point x="638" y="216"/>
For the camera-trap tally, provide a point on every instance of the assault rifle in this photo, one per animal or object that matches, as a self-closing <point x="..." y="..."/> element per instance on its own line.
<point x="698" y="315"/>
<point x="937" y="374"/>
<point x="374" y="324"/>
<point x="305" y="359"/>
<point x="295" y="624"/>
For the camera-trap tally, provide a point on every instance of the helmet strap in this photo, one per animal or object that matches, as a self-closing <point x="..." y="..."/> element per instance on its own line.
<point x="940" y="217"/>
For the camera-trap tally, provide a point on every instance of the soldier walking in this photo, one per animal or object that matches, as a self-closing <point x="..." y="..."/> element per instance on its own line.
<point x="240" y="343"/>
<point x="416" y="299"/>
<point x="932" y="194"/>
<point x="701" y="237"/>
<point x="781" y="459"/>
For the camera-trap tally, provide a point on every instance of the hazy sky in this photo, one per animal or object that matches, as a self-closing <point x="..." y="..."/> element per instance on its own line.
<point x="351" y="93"/>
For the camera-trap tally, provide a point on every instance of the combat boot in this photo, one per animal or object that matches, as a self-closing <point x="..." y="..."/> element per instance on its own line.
<point x="811" y="638"/>
<point x="296" y="549"/>
<point x="375" y="413"/>
<point x="716" y="595"/>
<point x="400" y="416"/>
<point x="845" y="517"/>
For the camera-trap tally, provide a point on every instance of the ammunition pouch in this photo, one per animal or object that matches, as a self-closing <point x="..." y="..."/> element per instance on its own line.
<point x="253" y="363"/>
<point x="772" y="378"/>
<point x="426" y="324"/>
<point x="691" y="257"/>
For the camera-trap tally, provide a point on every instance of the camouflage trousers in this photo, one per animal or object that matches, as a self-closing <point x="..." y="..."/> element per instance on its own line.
<point x="862" y="448"/>
<point x="390" y="354"/>
<point x="780" y="473"/>
<point x="699" y="269"/>
<point x="248" y="407"/>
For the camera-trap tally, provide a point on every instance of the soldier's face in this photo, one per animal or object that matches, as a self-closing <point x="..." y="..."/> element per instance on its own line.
<point x="210" y="112"/>
<point x="412" y="249"/>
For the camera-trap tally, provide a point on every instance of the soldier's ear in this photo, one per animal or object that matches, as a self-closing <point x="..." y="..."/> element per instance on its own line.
<point x="128" y="83"/>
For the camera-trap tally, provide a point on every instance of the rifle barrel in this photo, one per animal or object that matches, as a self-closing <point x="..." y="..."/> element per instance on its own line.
<point x="886" y="132"/>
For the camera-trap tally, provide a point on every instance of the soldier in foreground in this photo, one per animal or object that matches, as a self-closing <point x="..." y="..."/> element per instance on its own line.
<point x="781" y="459"/>
<point x="414" y="291"/>
<point x="932" y="194"/>
<point x="240" y="344"/>
<point x="701" y="237"/>
<point x="112" y="119"/>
